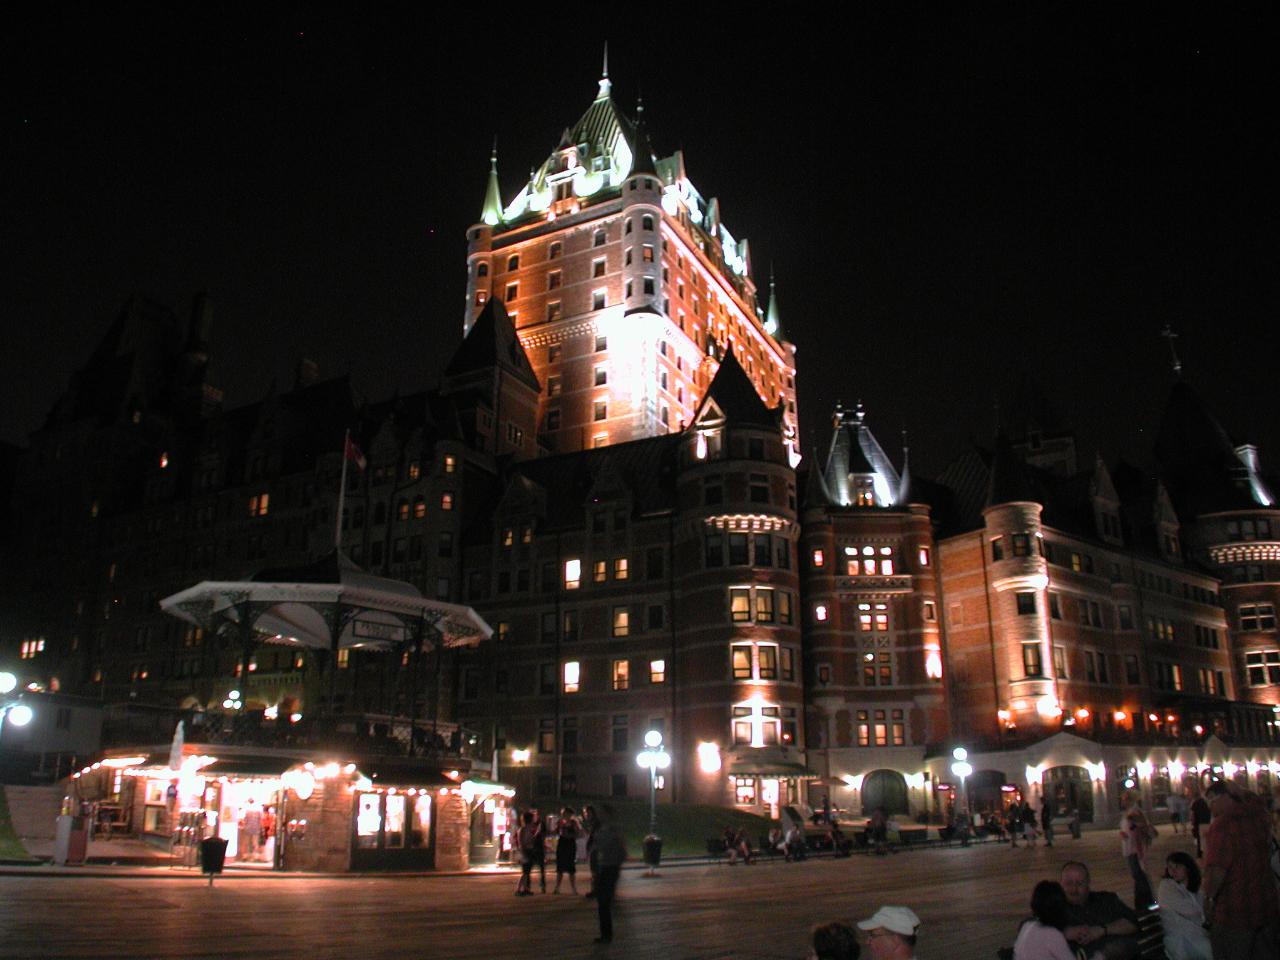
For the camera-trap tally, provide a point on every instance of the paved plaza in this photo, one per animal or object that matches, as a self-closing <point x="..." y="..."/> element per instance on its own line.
<point x="969" y="901"/>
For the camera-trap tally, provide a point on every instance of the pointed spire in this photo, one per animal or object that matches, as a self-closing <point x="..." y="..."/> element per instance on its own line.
<point x="903" y="495"/>
<point x="773" y="318"/>
<point x="643" y="162"/>
<point x="491" y="213"/>
<point x="1170" y="336"/>
<point x="605" y="85"/>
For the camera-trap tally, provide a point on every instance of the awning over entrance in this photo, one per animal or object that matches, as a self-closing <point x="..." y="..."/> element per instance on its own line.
<point x="781" y="762"/>
<point x="329" y="604"/>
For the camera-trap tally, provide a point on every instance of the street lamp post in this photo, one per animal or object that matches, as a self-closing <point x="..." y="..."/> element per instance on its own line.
<point x="962" y="768"/>
<point x="654" y="758"/>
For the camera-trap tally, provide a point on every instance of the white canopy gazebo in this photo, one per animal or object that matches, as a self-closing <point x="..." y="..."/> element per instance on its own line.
<point x="329" y="605"/>
<point x="326" y="606"/>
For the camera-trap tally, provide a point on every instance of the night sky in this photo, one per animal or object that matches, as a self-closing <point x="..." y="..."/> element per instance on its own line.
<point x="959" y="205"/>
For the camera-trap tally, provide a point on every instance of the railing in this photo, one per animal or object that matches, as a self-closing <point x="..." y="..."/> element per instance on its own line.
<point x="350" y="734"/>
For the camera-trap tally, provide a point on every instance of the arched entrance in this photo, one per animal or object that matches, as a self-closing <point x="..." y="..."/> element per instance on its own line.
<point x="983" y="787"/>
<point x="1070" y="788"/>
<point x="885" y="788"/>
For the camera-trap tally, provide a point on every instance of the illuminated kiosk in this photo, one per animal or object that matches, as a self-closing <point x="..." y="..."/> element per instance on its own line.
<point x="277" y="811"/>
<point x="318" y="789"/>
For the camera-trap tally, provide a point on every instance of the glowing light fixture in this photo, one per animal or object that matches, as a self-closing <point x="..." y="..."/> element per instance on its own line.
<point x="709" y="757"/>
<point x="19" y="715"/>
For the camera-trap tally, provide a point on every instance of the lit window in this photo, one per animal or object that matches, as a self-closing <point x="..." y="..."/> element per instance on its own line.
<point x="820" y="612"/>
<point x="620" y="568"/>
<point x="419" y="507"/>
<point x="621" y="621"/>
<point x="450" y="463"/>
<point x="740" y="604"/>
<point x="599" y="571"/>
<point x="819" y="558"/>
<point x="571" y="672"/>
<point x="344" y="658"/>
<point x="446" y="501"/>
<point x="415" y="470"/>
<point x="32" y="647"/>
<point x="740" y="656"/>
<point x="657" y="671"/>
<point x="259" y="504"/>
<point x="923" y="556"/>
<point x="621" y="674"/>
<point x="572" y="574"/>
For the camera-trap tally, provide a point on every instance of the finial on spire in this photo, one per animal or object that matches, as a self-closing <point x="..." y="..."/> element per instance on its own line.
<point x="1169" y="335"/>
<point x="772" y="317"/>
<point x="859" y="411"/>
<point x="491" y="212"/>
<point x="639" y="105"/>
<point x="605" y="85"/>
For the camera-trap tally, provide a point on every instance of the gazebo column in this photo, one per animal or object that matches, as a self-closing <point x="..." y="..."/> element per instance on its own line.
<point x="247" y="643"/>
<point x="335" y="632"/>
<point x="415" y="674"/>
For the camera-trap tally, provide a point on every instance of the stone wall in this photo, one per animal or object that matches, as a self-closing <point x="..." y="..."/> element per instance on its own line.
<point x="453" y="833"/>
<point x="325" y="846"/>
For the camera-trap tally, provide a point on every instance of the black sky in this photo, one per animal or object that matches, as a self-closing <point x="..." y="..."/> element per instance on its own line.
<point x="956" y="201"/>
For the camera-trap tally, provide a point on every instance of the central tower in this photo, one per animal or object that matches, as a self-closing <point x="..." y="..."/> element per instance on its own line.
<point x="624" y="286"/>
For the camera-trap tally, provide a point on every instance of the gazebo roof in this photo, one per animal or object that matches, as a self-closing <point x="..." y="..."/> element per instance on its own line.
<point x="306" y="606"/>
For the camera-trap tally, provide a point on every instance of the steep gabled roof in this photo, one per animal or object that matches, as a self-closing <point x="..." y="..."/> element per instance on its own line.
<point x="1198" y="462"/>
<point x="732" y="391"/>
<point x="492" y="343"/>
<point x="1011" y="480"/>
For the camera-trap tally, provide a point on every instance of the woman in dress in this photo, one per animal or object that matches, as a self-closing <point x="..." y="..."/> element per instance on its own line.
<point x="567" y="830"/>
<point x="1041" y="937"/>
<point x="1136" y="834"/>
<point x="1182" y="910"/>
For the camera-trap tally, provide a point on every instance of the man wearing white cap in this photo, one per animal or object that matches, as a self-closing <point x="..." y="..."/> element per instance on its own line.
<point x="890" y="933"/>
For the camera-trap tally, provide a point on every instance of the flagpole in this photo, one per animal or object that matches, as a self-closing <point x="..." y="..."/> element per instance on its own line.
<point x="342" y="492"/>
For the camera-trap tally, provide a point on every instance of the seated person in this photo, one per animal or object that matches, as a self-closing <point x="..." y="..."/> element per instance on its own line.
<point x="795" y="848"/>
<point x="835" y="941"/>
<point x="743" y="844"/>
<point x="841" y="844"/>
<point x="891" y="933"/>
<point x="1041" y="937"/>
<point x="1182" y="910"/>
<point x="1096" y="920"/>
<point x="730" y="840"/>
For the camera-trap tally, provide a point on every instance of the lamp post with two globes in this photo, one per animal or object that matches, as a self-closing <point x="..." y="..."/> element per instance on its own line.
<point x="654" y="758"/>
<point x="14" y="711"/>
<point x="962" y="768"/>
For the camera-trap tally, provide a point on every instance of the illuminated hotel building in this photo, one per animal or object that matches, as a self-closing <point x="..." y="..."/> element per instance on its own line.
<point x="625" y="286"/>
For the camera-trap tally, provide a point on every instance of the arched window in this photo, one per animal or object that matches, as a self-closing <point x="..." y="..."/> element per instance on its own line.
<point x="513" y="262"/>
<point x="482" y="269"/>
<point x="598" y="239"/>
<point x="646" y="222"/>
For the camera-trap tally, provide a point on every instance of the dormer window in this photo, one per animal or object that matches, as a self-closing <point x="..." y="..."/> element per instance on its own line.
<point x="865" y="492"/>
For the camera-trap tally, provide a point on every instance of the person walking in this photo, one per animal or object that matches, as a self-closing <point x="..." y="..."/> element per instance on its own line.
<point x="1028" y="818"/>
<point x="567" y="830"/>
<point x="1241" y="904"/>
<point x="526" y="837"/>
<point x="1013" y="823"/>
<point x="1199" y="820"/>
<point x="1136" y="834"/>
<point x="540" y="848"/>
<point x="611" y="853"/>
<point x="1046" y="820"/>
<point x="590" y="823"/>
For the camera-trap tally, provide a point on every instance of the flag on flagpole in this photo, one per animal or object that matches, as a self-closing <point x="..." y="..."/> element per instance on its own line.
<point x="353" y="454"/>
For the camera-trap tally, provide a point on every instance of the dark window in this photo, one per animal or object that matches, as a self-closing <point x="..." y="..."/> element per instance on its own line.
<point x="997" y="548"/>
<point x="738" y="550"/>
<point x="763" y="550"/>
<point x="547" y="678"/>
<point x="1026" y="603"/>
<point x="654" y="565"/>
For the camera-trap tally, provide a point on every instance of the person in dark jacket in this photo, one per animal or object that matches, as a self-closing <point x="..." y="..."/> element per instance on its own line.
<point x="611" y="853"/>
<point x="1199" y="820"/>
<point x="1046" y="821"/>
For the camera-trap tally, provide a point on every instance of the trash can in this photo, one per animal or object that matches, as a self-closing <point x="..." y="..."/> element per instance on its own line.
<point x="213" y="854"/>
<point x="70" y="839"/>
<point x="652" y="850"/>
